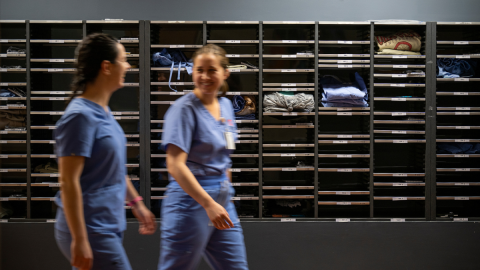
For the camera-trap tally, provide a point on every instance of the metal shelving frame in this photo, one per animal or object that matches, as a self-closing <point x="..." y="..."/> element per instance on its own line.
<point x="145" y="115"/>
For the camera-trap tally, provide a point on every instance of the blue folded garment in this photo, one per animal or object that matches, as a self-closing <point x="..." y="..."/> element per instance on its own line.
<point x="245" y="117"/>
<point x="454" y="68"/>
<point x="6" y="93"/>
<point x="334" y="90"/>
<point x="348" y="101"/>
<point x="348" y="92"/>
<point x="456" y="148"/>
<point x="337" y="104"/>
<point x="476" y="148"/>
<point x="238" y="103"/>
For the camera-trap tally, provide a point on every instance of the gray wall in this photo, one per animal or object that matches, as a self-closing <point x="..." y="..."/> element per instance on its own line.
<point x="262" y="10"/>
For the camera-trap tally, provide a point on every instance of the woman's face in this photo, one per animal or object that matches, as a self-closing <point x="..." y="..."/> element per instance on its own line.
<point x="208" y="74"/>
<point x="119" y="69"/>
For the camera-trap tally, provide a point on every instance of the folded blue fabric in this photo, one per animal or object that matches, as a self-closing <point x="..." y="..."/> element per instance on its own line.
<point x="476" y="148"/>
<point x="457" y="148"/>
<point x="6" y="93"/>
<point x="337" y="104"/>
<point x="238" y="103"/>
<point x="348" y="92"/>
<point x="347" y="101"/>
<point x="454" y="68"/>
<point x="444" y="74"/>
<point x="245" y="117"/>
<point x="336" y="91"/>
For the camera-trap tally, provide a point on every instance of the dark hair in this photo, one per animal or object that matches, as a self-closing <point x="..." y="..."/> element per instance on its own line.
<point x="89" y="55"/>
<point x="221" y="53"/>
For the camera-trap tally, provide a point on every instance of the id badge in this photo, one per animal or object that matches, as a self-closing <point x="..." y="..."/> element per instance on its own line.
<point x="230" y="143"/>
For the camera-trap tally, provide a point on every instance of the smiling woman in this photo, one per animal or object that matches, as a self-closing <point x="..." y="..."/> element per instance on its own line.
<point x="210" y="68"/>
<point x="199" y="217"/>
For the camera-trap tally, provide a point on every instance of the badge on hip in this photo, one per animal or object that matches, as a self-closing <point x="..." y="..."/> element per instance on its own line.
<point x="230" y="143"/>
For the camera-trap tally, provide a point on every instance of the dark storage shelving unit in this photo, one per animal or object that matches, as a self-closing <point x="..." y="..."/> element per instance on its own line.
<point x="377" y="163"/>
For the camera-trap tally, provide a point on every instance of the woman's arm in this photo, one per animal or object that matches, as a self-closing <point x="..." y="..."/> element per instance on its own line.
<point x="177" y="167"/>
<point x="70" y="169"/>
<point x="146" y="218"/>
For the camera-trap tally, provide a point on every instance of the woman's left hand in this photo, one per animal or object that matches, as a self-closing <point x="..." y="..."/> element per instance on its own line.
<point x="145" y="217"/>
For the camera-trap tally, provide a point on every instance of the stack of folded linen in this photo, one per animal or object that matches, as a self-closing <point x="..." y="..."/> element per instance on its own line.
<point x="339" y="94"/>
<point x="11" y="119"/>
<point x="287" y="102"/>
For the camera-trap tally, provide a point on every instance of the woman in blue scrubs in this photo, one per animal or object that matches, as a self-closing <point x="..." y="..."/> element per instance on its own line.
<point x="198" y="217"/>
<point x="91" y="151"/>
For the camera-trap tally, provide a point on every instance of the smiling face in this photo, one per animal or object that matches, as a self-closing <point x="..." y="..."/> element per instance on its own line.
<point x="208" y="73"/>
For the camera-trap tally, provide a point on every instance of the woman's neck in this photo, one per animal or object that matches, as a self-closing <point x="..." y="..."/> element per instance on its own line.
<point x="205" y="99"/>
<point x="97" y="93"/>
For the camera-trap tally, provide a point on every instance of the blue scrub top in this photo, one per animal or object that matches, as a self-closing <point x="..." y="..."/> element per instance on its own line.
<point x="87" y="130"/>
<point x="191" y="127"/>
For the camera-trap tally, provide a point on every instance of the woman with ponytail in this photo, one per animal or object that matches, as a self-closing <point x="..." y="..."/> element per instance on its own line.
<point x="91" y="151"/>
<point x="198" y="217"/>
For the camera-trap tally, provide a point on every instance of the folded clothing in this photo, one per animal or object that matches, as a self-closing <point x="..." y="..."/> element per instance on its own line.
<point x="405" y="40"/>
<point x="340" y="104"/>
<point x="6" y="93"/>
<point x="15" y="112"/>
<point x="50" y="167"/>
<point x="11" y="67"/>
<point x="337" y="92"/>
<point x="244" y="105"/>
<point x="414" y="72"/>
<point x="12" y="117"/>
<point x="10" y="124"/>
<point x="280" y="102"/>
<point x="245" y="117"/>
<point x="458" y="148"/>
<point x="11" y="120"/>
<point x="16" y="50"/>
<point x="17" y="92"/>
<point x="398" y="52"/>
<point x="455" y="68"/>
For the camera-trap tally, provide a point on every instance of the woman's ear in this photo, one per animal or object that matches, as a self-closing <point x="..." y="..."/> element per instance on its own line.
<point x="106" y="67"/>
<point x="226" y="74"/>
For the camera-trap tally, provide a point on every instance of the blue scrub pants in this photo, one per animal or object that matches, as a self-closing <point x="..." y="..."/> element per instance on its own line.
<point x="107" y="249"/>
<point x="187" y="233"/>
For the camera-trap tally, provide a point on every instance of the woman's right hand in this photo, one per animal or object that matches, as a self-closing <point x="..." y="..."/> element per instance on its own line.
<point x="82" y="256"/>
<point x="218" y="216"/>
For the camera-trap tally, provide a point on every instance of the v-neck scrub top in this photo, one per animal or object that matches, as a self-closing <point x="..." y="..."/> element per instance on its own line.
<point x="87" y="130"/>
<point x="191" y="127"/>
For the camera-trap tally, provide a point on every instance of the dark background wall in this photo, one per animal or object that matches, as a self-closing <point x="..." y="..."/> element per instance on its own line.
<point x="284" y="246"/>
<point x="260" y="10"/>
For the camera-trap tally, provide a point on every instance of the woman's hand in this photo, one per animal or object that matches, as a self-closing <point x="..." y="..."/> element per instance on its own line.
<point x="145" y="217"/>
<point x="82" y="256"/>
<point x="218" y="216"/>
